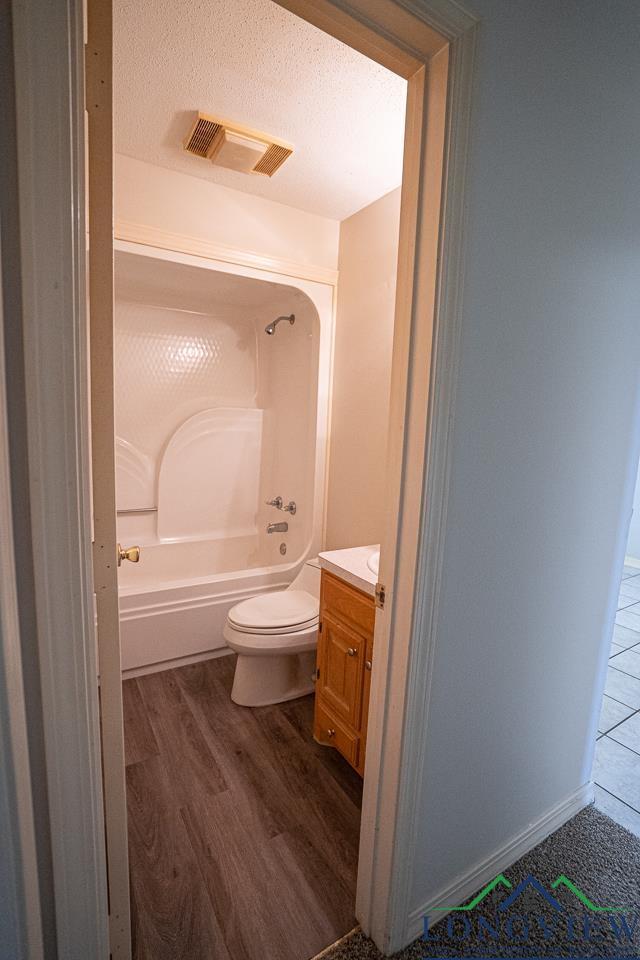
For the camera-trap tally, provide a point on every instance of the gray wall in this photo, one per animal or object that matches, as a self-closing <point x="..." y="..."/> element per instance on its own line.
<point x="546" y="424"/>
<point x="14" y="913"/>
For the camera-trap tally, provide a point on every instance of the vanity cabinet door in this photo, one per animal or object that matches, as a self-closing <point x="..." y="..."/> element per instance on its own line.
<point x="341" y="665"/>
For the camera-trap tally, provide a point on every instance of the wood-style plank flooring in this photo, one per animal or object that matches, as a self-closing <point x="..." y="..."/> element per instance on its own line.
<point x="243" y="832"/>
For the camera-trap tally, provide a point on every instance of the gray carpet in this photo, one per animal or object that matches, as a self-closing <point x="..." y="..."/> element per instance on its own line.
<point x="598" y="856"/>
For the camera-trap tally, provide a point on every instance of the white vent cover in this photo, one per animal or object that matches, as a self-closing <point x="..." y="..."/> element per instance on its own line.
<point x="235" y="147"/>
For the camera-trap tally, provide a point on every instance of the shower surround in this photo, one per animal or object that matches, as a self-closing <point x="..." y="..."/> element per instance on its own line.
<point x="213" y="418"/>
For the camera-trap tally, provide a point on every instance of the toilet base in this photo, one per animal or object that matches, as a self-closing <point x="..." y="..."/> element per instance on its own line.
<point x="260" y="681"/>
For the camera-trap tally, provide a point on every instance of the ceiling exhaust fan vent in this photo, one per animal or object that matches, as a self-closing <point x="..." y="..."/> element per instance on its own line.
<point x="235" y="147"/>
<point x="202" y="138"/>
<point x="273" y="158"/>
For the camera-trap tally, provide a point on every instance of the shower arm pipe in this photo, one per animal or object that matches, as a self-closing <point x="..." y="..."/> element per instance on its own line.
<point x="270" y="328"/>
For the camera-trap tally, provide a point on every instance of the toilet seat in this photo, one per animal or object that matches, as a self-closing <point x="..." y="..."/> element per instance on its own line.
<point x="274" y="631"/>
<point x="282" y="611"/>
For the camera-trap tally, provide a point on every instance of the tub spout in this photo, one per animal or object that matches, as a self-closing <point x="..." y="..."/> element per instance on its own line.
<point x="281" y="527"/>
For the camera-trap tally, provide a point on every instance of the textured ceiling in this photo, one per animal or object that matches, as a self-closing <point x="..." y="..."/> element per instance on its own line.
<point x="253" y="62"/>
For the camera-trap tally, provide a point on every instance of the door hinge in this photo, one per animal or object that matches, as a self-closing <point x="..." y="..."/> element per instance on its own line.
<point x="317" y="673"/>
<point x="381" y="594"/>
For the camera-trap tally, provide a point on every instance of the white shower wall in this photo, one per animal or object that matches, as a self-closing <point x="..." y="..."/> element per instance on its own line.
<point x="288" y="393"/>
<point x="173" y="363"/>
<point x="213" y="417"/>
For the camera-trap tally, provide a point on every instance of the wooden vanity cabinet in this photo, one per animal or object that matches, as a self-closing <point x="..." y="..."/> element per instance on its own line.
<point x="343" y="673"/>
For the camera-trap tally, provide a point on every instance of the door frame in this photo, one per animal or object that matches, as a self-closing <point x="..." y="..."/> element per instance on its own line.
<point x="431" y="43"/>
<point x="415" y="38"/>
<point x="48" y="53"/>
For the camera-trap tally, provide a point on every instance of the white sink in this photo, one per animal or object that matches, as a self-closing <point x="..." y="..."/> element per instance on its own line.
<point x="373" y="562"/>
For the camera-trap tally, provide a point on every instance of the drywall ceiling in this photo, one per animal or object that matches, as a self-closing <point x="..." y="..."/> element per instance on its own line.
<point x="253" y="62"/>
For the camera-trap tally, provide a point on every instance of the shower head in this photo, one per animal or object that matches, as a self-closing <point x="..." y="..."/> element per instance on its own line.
<point x="270" y="328"/>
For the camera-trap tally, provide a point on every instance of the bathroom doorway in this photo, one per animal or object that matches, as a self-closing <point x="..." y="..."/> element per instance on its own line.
<point x="383" y="830"/>
<point x="239" y="389"/>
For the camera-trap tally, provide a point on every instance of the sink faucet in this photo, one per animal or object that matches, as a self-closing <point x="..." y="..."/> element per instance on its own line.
<point x="281" y="527"/>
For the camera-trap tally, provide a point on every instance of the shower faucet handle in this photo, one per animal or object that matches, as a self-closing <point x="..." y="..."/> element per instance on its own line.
<point x="276" y="502"/>
<point x="290" y="508"/>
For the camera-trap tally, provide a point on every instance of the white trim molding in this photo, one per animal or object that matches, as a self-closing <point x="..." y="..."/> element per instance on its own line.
<point x="49" y="79"/>
<point x="438" y="456"/>
<point x="432" y="44"/>
<point x="448" y="17"/>
<point x="19" y="883"/>
<point x="501" y="859"/>
<point x="401" y="756"/>
<point x="196" y="246"/>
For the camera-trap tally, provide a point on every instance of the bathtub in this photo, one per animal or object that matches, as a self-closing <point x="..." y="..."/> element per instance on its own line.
<point x="174" y="606"/>
<point x="201" y="523"/>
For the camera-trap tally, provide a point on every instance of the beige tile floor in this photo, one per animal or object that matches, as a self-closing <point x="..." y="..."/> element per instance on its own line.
<point x="616" y="768"/>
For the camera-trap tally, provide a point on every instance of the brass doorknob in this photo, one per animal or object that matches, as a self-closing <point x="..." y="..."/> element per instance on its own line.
<point x="331" y="733"/>
<point x="351" y="651"/>
<point x="128" y="553"/>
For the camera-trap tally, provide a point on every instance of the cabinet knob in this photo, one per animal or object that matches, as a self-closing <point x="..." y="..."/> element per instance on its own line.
<point x="351" y="651"/>
<point x="367" y="664"/>
<point x="331" y="733"/>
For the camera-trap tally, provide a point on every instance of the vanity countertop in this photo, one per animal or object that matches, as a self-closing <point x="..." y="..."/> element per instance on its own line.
<point x="351" y="565"/>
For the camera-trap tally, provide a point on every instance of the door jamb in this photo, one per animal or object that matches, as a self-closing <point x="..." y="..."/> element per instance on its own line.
<point x="48" y="41"/>
<point x="100" y="158"/>
<point x="49" y="60"/>
<point x="431" y="43"/>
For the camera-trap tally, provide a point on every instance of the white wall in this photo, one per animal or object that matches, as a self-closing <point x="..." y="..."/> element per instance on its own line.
<point x="545" y="428"/>
<point x="633" y="543"/>
<point x="175" y="202"/>
<point x="362" y="372"/>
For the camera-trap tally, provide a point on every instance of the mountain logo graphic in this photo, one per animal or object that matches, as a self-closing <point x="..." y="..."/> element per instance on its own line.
<point x="531" y="883"/>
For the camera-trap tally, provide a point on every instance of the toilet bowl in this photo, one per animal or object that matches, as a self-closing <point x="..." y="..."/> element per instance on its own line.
<point x="275" y="635"/>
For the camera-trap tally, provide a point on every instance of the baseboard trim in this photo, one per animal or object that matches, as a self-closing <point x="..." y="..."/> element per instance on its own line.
<point x="177" y="662"/>
<point x="481" y="873"/>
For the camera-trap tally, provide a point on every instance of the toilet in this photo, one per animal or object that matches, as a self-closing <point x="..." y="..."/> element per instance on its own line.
<point x="275" y="636"/>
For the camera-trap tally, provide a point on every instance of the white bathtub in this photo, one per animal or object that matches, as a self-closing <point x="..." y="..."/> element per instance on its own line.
<point x="173" y="606"/>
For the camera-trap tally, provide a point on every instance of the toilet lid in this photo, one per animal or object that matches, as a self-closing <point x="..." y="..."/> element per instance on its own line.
<point x="275" y="610"/>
